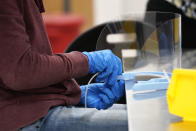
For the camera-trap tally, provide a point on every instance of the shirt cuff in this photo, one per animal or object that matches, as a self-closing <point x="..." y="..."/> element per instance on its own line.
<point x="79" y="64"/>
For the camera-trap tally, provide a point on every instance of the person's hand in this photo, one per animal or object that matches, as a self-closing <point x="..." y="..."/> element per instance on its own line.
<point x="118" y="89"/>
<point x="99" y="96"/>
<point x="106" y="64"/>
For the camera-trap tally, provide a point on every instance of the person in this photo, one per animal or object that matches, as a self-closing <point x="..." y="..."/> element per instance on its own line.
<point x="37" y="87"/>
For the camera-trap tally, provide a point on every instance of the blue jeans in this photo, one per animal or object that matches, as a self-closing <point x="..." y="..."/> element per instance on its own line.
<point x="62" y="118"/>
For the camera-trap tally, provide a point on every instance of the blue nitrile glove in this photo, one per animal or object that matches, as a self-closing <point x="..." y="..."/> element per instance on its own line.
<point x="98" y="96"/>
<point x="118" y="89"/>
<point x="106" y="63"/>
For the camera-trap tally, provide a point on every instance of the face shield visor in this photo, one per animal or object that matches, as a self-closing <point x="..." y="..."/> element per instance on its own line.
<point x="148" y="44"/>
<point x="148" y="41"/>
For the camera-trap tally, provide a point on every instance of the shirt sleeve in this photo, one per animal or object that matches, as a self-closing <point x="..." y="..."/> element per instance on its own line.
<point x="23" y="69"/>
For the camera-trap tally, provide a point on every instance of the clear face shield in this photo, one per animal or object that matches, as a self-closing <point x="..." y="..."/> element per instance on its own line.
<point x="149" y="45"/>
<point x="145" y="42"/>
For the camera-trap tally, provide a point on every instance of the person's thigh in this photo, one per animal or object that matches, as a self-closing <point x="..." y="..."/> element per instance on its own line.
<point x="84" y="119"/>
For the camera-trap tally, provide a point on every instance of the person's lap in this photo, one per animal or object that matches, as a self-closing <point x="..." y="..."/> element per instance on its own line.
<point x="62" y="118"/>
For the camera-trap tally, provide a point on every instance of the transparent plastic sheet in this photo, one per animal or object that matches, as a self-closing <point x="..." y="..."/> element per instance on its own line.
<point x="145" y="42"/>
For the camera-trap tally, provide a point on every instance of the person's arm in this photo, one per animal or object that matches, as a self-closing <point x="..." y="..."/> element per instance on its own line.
<point x="23" y="69"/>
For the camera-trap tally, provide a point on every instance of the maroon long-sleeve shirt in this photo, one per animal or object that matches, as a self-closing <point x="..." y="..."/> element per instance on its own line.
<point x="32" y="79"/>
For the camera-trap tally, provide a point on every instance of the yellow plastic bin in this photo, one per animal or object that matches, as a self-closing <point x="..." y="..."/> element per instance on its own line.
<point x="181" y="94"/>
